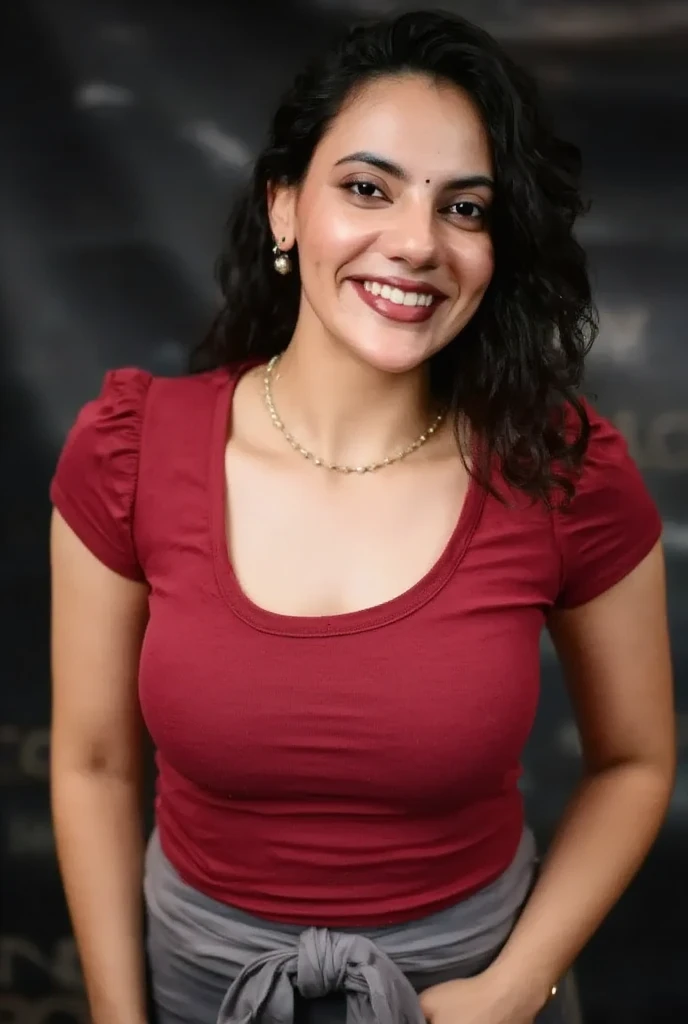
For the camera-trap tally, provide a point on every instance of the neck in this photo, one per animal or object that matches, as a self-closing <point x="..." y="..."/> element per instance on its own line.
<point x="345" y="411"/>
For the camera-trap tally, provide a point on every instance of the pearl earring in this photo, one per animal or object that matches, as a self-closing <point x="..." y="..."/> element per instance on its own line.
<point x="282" y="262"/>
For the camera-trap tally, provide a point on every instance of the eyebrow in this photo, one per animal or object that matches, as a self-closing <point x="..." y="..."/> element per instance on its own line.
<point x="387" y="167"/>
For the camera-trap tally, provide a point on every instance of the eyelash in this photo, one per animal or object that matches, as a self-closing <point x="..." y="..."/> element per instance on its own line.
<point x="349" y="186"/>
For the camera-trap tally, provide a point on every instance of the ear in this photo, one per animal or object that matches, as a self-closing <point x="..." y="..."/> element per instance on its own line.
<point x="282" y="214"/>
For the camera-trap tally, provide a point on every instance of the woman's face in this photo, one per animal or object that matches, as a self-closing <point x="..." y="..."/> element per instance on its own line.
<point x="391" y="222"/>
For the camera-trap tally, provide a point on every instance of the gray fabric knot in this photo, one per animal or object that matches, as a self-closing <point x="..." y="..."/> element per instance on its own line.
<point x="377" y="991"/>
<point x="322" y="962"/>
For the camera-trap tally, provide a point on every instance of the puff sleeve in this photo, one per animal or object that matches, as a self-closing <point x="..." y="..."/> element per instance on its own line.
<point x="611" y="523"/>
<point x="94" y="485"/>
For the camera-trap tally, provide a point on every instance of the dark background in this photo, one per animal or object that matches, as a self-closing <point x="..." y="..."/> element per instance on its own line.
<point x="126" y="125"/>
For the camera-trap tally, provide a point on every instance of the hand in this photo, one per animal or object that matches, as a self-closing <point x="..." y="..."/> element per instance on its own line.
<point x="477" y="1000"/>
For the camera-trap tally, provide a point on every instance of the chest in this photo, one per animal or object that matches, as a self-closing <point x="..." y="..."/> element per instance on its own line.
<point x="431" y="697"/>
<point x="260" y="679"/>
<point x="413" y="713"/>
<point x="313" y="543"/>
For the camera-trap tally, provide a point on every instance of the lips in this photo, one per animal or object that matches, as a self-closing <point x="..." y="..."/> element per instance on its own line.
<point x="399" y="299"/>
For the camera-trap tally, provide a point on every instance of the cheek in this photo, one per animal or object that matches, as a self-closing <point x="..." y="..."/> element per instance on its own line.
<point x="328" y="236"/>
<point x="474" y="262"/>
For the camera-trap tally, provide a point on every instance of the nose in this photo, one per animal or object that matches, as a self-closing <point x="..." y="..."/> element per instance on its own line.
<point x="413" y="237"/>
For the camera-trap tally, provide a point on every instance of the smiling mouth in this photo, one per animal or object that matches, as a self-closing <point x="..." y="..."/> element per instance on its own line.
<point x="399" y="296"/>
<point x="404" y="305"/>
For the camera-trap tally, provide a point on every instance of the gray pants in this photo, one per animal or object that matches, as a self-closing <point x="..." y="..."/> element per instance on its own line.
<point x="198" y="947"/>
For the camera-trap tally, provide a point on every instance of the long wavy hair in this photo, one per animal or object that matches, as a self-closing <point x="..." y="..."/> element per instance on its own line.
<point x="514" y="370"/>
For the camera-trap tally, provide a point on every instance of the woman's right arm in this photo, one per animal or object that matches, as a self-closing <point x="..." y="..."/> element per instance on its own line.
<point x="98" y="622"/>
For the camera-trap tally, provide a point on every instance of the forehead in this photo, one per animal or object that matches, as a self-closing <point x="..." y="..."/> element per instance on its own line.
<point x="424" y="125"/>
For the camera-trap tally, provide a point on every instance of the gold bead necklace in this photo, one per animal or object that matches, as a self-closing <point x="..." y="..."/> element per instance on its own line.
<point x="371" y="467"/>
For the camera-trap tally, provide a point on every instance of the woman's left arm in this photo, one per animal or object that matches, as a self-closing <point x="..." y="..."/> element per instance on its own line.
<point x="616" y="660"/>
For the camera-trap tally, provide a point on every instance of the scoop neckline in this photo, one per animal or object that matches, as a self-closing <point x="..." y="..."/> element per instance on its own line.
<point x="345" y="623"/>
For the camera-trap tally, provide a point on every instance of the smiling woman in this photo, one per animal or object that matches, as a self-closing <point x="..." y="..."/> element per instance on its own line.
<point x="426" y="136"/>
<point x="322" y="565"/>
<point x="364" y="217"/>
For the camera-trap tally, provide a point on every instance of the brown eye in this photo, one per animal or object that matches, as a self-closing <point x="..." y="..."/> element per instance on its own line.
<point x="467" y="210"/>
<point x="364" y="189"/>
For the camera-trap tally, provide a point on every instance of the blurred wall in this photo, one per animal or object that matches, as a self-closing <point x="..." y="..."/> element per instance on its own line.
<point x="126" y="125"/>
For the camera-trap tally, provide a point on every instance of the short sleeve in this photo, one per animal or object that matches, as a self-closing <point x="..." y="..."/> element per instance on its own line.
<point x="94" y="485"/>
<point x="611" y="523"/>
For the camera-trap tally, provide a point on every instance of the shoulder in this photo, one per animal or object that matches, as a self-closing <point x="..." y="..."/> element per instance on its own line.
<point x="611" y="522"/>
<point x="95" y="481"/>
<point x="607" y="467"/>
<point x="129" y="399"/>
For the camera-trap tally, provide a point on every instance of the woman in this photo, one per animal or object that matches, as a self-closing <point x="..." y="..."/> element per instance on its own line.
<point x="323" y="562"/>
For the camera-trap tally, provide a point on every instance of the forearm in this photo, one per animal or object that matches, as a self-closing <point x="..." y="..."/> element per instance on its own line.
<point x="99" y="837"/>
<point x="605" y="834"/>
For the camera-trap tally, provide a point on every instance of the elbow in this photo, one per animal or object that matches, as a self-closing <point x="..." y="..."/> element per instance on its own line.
<point x="89" y="759"/>
<point x="649" y="780"/>
<point x="660" y="768"/>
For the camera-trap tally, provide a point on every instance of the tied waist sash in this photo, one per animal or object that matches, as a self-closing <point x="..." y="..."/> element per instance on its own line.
<point x="206" y="954"/>
<point x="323" y="962"/>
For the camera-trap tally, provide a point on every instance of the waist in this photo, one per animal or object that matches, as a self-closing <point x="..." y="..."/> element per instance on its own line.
<point x="358" y="866"/>
<point x="460" y="939"/>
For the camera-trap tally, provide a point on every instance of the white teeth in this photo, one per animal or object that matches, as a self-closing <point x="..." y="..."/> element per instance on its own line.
<point x="397" y="295"/>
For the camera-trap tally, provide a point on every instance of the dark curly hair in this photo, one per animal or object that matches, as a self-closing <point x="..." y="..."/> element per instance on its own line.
<point x="514" y="371"/>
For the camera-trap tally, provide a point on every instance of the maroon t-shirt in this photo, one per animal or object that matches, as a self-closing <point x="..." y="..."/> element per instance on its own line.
<point x="350" y="770"/>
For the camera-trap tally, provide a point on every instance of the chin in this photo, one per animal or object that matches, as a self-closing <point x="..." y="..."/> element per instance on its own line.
<point x="394" y="357"/>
